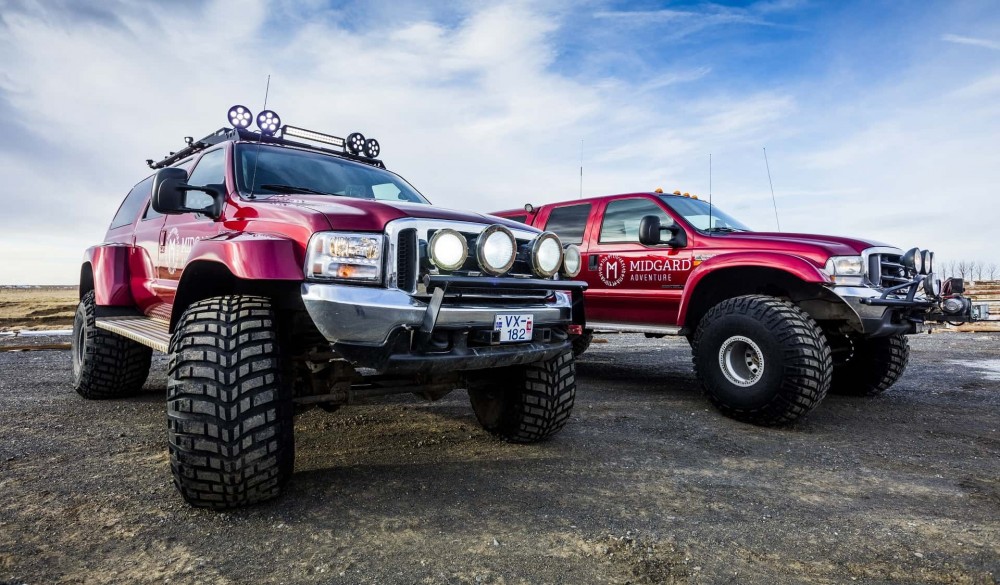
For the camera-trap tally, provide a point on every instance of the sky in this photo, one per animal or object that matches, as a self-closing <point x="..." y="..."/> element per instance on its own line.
<point x="880" y="119"/>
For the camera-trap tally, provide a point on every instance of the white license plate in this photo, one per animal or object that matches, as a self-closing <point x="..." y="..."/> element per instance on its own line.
<point x="513" y="328"/>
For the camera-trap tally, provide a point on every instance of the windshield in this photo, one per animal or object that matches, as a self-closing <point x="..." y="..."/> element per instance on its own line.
<point x="697" y="213"/>
<point x="289" y="170"/>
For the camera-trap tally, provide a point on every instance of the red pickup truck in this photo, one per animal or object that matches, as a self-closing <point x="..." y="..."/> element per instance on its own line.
<point x="775" y="320"/>
<point x="287" y="268"/>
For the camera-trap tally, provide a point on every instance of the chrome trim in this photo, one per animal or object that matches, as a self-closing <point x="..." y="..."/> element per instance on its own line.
<point x="366" y="316"/>
<point x="606" y="327"/>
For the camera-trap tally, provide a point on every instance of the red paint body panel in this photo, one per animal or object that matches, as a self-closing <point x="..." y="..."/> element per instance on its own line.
<point x="657" y="282"/>
<point x="110" y="265"/>
<point x="253" y="256"/>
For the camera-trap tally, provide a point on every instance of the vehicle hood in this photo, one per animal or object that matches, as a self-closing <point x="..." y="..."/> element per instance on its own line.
<point x="345" y="213"/>
<point x="817" y="247"/>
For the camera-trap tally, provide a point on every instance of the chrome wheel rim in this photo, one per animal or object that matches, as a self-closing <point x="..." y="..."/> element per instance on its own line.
<point x="741" y="361"/>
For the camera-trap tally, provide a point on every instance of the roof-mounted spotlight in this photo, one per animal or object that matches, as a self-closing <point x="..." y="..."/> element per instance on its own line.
<point x="372" y="148"/>
<point x="355" y="142"/>
<point x="268" y="121"/>
<point x="240" y="116"/>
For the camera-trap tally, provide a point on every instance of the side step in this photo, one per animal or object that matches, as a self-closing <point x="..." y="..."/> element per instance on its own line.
<point x="153" y="333"/>
<point x="603" y="327"/>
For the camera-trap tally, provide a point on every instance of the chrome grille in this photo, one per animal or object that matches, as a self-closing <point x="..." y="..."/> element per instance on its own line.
<point x="885" y="270"/>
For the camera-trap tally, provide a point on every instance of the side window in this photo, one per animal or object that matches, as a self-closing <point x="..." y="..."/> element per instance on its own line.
<point x="132" y="205"/>
<point x="622" y="217"/>
<point x="569" y="222"/>
<point x="211" y="170"/>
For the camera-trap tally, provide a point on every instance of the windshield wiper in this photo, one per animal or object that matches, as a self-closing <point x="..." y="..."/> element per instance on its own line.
<point x="294" y="189"/>
<point x="724" y="230"/>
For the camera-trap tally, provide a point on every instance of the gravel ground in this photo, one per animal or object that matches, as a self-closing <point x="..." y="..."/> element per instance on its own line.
<point x="647" y="484"/>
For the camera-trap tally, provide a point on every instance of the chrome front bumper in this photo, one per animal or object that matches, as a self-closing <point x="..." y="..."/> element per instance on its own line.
<point x="358" y="315"/>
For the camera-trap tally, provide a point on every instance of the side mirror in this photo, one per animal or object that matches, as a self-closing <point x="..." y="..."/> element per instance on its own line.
<point x="651" y="233"/>
<point x="171" y="195"/>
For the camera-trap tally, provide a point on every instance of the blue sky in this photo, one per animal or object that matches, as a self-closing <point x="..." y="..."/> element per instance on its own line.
<point x="881" y="119"/>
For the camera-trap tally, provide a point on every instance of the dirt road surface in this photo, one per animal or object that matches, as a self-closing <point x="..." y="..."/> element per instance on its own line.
<point x="647" y="484"/>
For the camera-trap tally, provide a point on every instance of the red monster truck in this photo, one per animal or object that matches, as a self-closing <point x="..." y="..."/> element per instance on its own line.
<point x="286" y="268"/>
<point x="775" y="320"/>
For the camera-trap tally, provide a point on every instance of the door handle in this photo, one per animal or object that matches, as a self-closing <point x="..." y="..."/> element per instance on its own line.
<point x="592" y="261"/>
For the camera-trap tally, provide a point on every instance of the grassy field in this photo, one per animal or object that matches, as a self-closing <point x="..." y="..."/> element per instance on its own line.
<point x="42" y="307"/>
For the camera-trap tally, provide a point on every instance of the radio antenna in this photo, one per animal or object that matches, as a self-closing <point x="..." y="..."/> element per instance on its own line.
<point x="581" y="168"/>
<point x="710" y="192"/>
<point x="773" y="200"/>
<point x="256" y="156"/>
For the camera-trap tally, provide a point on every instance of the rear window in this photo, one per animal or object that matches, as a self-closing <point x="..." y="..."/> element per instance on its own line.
<point x="569" y="222"/>
<point x="133" y="203"/>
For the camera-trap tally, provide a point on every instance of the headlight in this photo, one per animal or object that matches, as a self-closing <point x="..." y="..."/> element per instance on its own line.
<point x="546" y="254"/>
<point x="496" y="249"/>
<point x="345" y="256"/>
<point x="448" y="249"/>
<point x="932" y="286"/>
<point x="846" y="266"/>
<point x="846" y="269"/>
<point x="572" y="262"/>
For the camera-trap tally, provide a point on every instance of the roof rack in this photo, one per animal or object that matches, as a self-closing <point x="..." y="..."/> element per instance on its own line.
<point x="355" y="147"/>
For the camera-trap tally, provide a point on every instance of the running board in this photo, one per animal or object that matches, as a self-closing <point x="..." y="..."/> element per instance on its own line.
<point x="152" y="333"/>
<point x="603" y="327"/>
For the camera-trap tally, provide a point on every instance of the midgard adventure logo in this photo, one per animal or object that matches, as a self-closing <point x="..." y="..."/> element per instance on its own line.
<point x="612" y="269"/>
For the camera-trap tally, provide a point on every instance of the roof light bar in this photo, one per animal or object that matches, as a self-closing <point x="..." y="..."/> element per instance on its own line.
<point x="296" y="132"/>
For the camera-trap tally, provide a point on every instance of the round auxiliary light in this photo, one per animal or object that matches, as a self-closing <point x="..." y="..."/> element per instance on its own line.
<point x="355" y="142"/>
<point x="268" y="122"/>
<point x="448" y="249"/>
<point x="928" y="257"/>
<point x="912" y="260"/>
<point x="372" y="148"/>
<point x="496" y="249"/>
<point x="240" y="116"/>
<point x="572" y="261"/>
<point x="932" y="286"/>
<point x="546" y="254"/>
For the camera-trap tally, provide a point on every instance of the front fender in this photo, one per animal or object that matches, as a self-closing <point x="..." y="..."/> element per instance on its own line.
<point x="793" y="265"/>
<point x="252" y="256"/>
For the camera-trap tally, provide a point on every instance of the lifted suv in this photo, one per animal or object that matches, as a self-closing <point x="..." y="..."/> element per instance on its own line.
<point x="280" y="274"/>
<point x="775" y="320"/>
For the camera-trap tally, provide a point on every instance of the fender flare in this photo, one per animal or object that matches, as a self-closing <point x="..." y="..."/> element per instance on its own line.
<point x="109" y="275"/>
<point x="795" y="266"/>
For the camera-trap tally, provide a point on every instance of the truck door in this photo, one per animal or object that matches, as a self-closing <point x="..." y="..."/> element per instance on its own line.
<point x="180" y="232"/>
<point x="631" y="283"/>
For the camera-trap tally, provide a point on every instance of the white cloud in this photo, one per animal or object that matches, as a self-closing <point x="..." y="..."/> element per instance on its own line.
<point x="986" y="43"/>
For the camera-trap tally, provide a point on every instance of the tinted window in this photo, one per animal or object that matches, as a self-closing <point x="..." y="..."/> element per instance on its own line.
<point x="268" y="170"/>
<point x="622" y="217"/>
<point x="569" y="222"/>
<point x="211" y="170"/>
<point x="520" y="218"/>
<point x="130" y="208"/>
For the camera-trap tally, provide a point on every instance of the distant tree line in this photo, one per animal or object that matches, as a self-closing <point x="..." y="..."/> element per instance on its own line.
<point x="969" y="269"/>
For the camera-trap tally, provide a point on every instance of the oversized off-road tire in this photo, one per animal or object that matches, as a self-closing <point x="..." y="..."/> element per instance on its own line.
<point x="581" y="343"/>
<point x="761" y="360"/>
<point x="105" y="365"/>
<point x="526" y="404"/>
<point x="873" y="367"/>
<point x="229" y="404"/>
